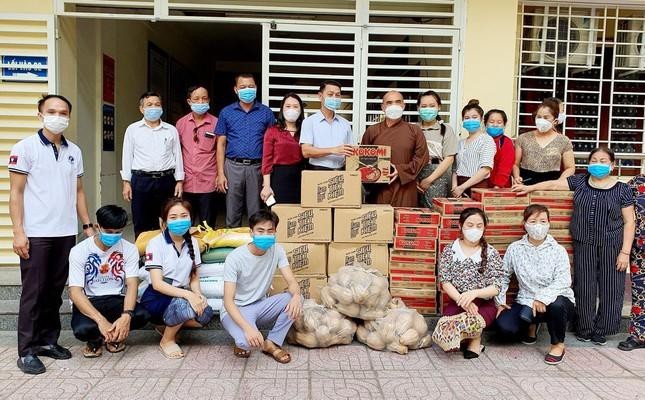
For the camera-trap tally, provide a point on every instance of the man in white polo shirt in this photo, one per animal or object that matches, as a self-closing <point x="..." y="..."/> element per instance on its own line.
<point x="326" y="137"/>
<point x="46" y="194"/>
<point x="152" y="164"/>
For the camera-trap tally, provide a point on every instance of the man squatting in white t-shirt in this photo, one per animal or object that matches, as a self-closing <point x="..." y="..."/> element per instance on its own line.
<point x="103" y="281"/>
<point x="248" y="272"/>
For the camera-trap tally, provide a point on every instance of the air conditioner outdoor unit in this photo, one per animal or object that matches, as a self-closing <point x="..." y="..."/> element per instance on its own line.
<point x="631" y="45"/>
<point x="575" y="42"/>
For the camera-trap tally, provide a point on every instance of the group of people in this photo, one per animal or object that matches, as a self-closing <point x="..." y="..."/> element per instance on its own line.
<point x="172" y="174"/>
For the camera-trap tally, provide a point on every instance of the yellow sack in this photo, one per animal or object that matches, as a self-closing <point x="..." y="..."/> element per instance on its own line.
<point x="234" y="237"/>
<point x="145" y="237"/>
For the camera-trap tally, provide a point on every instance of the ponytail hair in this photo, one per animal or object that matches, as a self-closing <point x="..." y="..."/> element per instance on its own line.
<point x="176" y="201"/>
<point x="467" y="213"/>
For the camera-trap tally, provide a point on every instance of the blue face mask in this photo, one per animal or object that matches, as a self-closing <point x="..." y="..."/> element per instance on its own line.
<point x="152" y="113"/>
<point x="263" y="242"/>
<point x="247" y="95"/>
<point x="332" y="103"/>
<point x="200" y="108"/>
<point x="471" y="125"/>
<point x="428" y="113"/>
<point x="179" y="227"/>
<point x="495" y="131"/>
<point x="599" y="170"/>
<point x="110" y="239"/>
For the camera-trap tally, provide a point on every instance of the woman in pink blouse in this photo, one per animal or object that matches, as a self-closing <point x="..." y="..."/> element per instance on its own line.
<point x="470" y="272"/>
<point x="282" y="161"/>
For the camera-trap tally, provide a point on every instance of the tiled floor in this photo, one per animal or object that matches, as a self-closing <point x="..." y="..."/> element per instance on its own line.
<point x="210" y="371"/>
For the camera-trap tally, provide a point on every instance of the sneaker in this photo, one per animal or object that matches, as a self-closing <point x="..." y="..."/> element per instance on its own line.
<point x="598" y="339"/>
<point x="583" y="338"/>
<point x="631" y="344"/>
<point x="31" y="365"/>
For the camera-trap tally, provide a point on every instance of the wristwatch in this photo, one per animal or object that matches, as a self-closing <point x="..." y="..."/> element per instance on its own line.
<point x="129" y="312"/>
<point x="87" y="226"/>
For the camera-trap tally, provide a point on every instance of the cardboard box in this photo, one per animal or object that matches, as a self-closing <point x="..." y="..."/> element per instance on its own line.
<point x="449" y="234"/>
<point x="371" y="254"/>
<point x="331" y="189"/>
<point x="490" y="232"/>
<point x="422" y="231"/>
<point x="449" y="222"/>
<point x="414" y="244"/>
<point x="492" y="227"/>
<point x="310" y="286"/>
<point x="441" y="246"/>
<point x="369" y="224"/>
<point x="413" y="281"/>
<point x="371" y="161"/>
<point x="447" y="206"/>
<point x="306" y="258"/>
<point x="562" y="236"/>
<point x="499" y="196"/>
<point x="399" y="268"/>
<point x="412" y="256"/>
<point x="426" y="310"/>
<point x="416" y="216"/>
<point x="411" y="293"/>
<point x="506" y="208"/>
<point x="299" y="224"/>
<point x="550" y="194"/>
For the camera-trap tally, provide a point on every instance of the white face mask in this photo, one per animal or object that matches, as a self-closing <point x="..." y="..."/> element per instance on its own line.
<point x="537" y="231"/>
<point x="543" y="125"/>
<point x="394" y="112"/>
<point x="55" y="124"/>
<point x="562" y="117"/>
<point x="291" y="114"/>
<point x="473" y="234"/>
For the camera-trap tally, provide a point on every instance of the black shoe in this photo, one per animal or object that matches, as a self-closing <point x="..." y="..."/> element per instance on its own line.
<point x="31" y="364"/>
<point x="583" y="338"/>
<point x="56" y="352"/>
<point x="598" y="339"/>
<point x="532" y="339"/>
<point x="631" y="344"/>
<point x="469" y="355"/>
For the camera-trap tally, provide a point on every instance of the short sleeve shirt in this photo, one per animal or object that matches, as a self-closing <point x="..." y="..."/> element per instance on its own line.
<point x="253" y="274"/>
<point x="50" y="191"/>
<point x="175" y="266"/>
<point x="440" y="146"/>
<point x="465" y="272"/>
<point x="244" y="131"/>
<point x="320" y="133"/>
<point x="597" y="213"/>
<point x="476" y="154"/>
<point x="102" y="273"/>
<point x="542" y="159"/>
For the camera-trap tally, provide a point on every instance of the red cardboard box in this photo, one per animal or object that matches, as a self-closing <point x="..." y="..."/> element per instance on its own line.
<point x="449" y="234"/>
<point x="414" y="293"/>
<point x="538" y="195"/>
<point x="414" y="244"/>
<point x="449" y="222"/>
<point x="497" y="208"/>
<point x="421" y="231"/>
<point x="415" y="216"/>
<point x="447" y="206"/>
<point x="397" y="268"/>
<point x="498" y="196"/>
<point x="412" y="257"/>
<point x="413" y="281"/>
<point x="442" y="246"/>
<point x="372" y="161"/>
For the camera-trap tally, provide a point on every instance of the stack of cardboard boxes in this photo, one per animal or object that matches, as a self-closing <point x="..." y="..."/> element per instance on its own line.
<point x="413" y="259"/>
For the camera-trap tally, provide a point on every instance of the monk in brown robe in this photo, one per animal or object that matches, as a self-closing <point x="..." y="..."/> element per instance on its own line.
<point x="409" y="154"/>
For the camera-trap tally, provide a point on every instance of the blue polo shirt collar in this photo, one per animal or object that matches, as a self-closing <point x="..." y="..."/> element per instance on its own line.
<point x="46" y="141"/>
<point x="239" y="107"/>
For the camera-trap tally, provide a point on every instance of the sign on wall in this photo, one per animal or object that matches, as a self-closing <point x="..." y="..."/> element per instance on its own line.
<point x="108" y="79"/>
<point x="24" y="68"/>
<point x="108" y="127"/>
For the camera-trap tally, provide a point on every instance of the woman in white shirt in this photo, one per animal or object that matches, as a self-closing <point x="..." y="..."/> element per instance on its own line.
<point x="543" y="273"/>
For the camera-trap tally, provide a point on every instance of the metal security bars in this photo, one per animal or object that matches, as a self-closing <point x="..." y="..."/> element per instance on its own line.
<point x="594" y="59"/>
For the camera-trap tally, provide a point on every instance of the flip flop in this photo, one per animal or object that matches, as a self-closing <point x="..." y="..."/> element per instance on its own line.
<point x="115" y="347"/>
<point x="91" y="352"/>
<point x="241" y="353"/>
<point x="160" y="330"/>
<point x="277" y="353"/>
<point x="172" y="351"/>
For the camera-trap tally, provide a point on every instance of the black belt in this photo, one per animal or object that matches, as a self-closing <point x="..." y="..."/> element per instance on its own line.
<point x="321" y="168"/>
<point x="247" y="161"/>
<point x="153" y="174"/>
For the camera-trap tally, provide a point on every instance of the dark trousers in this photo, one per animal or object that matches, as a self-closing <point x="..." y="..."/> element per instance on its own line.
<point x="511" y="327"/>
<point x="148" y="197"/>
<point x="111" y="307"/>
<point x="205" y="207"/>
<point x="595" y="278"/>
<point x="43" y="279"/>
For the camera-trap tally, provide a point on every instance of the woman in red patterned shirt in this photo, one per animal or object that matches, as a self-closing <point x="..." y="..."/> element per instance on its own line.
<point x="282" y="160"/>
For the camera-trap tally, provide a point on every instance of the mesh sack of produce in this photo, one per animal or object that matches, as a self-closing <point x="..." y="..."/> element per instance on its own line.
<point x="318" y="326"/>
<point x="358" y="292"/>
<point x="451" y="330"/>
<point x="400" y="330"/>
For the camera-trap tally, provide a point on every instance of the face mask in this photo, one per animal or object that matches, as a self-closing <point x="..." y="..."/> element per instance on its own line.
<point x="471" y="125"/>
<point x="473" y="234"/>
<point x="537" y="231"/>
<point x="291" y="114"/>
<point x="110" y="239"/>
<point x="495" y="131"/>
<point x="562" y="117"/>
<point x="152" y="113"/>
<point x="332" y="103"/>
<point x="394" y="112"/>
<point x="263" y="242"/>
<point x="543" y="125"/>
<point x="428" y="113"/>
<point x="247" y="95"/>
<point x="179" y="227"/>
<point x="55" y="124"/>
<point x="599" y="170"/>
<point x="200" y="108"/>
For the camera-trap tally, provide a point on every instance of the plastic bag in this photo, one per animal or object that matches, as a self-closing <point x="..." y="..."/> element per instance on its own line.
<point x="211" y="270"/>
<point x="234" y="237"/>
<point x="318" y="326"/>
<point x="400" y="330"/>
<point x="217" y="255"/>
<point x="357" y="291"/>
<point x="145" y="237"/>
<point x="451" y="330"/>
<point x="212" y="286"/>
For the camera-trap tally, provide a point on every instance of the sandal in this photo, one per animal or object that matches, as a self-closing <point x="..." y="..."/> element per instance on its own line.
<point x="276" y="352"/>
<point x="469" y="354"/>
<point x="115" y="347"/>
<point x="172" y="351"/>
<point x="92" y="352"/>
<point x="241" y="353"/>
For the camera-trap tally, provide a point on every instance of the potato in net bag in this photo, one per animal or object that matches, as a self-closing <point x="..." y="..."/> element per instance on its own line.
<point x="400" y="330"/>
<point x="318" y="326"/>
